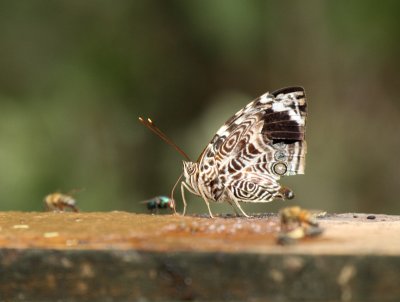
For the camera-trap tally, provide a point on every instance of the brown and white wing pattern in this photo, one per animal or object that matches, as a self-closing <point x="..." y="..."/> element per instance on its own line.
<point x="260" y="143"/>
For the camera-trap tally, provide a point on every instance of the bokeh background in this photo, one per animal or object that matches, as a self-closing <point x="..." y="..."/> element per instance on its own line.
<point x="75" y="75"/>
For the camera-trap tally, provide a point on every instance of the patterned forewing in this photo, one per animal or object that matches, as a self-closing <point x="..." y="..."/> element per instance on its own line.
<point x="228" y="136"/>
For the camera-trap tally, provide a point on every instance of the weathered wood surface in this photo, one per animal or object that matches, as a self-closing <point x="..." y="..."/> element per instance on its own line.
<point x="120" y="256"/>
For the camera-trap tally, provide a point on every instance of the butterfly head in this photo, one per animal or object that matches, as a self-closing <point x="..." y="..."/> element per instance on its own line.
<point x="189" y="168"/>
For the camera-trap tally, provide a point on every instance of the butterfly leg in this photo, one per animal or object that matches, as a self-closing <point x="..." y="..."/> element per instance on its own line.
<point x="240" y="208"/>
<point x="234" y="208"/>
<point x="208" y="205"/>
<point x="183" y="186"/>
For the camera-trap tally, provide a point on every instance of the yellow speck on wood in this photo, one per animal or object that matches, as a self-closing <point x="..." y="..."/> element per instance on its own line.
<point x="20" y="226"/>
<point x="50" y="234"/>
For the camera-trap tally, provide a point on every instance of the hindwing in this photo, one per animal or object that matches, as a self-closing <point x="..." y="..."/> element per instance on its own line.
<point x="252" y="187"/>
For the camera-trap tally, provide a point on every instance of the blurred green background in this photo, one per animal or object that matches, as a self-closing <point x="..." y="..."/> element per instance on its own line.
<point x="75" y="75"/>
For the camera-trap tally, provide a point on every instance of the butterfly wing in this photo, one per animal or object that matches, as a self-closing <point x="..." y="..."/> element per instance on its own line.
<point x="251" y="187"/>
<point x="260" y="143"/>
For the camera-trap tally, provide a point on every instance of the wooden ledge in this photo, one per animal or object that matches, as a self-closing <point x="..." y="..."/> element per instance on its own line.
<point x="118" y="256"/>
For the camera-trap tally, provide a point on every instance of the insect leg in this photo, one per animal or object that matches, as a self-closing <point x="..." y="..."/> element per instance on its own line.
<point x="233" y="207"/>
<point x="172" y="192"/>
<point x="240" y="208"/>
<point x="183" y="186"/>
<point x="74" y="208"/>
<point x="208" y="204"/>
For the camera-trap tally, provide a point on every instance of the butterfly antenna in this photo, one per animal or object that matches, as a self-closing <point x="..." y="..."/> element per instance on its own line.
<point x="173" y="189"/>
<point x="149" y="124"/>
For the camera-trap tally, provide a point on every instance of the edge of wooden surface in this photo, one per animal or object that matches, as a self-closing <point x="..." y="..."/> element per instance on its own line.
<point x="111" y="275"/>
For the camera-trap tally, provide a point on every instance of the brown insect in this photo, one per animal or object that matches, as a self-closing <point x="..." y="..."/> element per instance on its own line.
<point x="58" y="202"/>
<point x="297" y="223"/>
<point x="295" y="216"/>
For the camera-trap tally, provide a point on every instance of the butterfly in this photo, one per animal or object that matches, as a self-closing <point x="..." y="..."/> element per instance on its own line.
<point x="249" y="153"/>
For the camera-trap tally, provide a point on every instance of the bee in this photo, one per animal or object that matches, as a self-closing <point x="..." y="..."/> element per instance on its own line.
<point x="297" y="223"/>
<point x="58" y="202"/>
<point x="159" y="202"/>
<point x="296" y="216"/>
